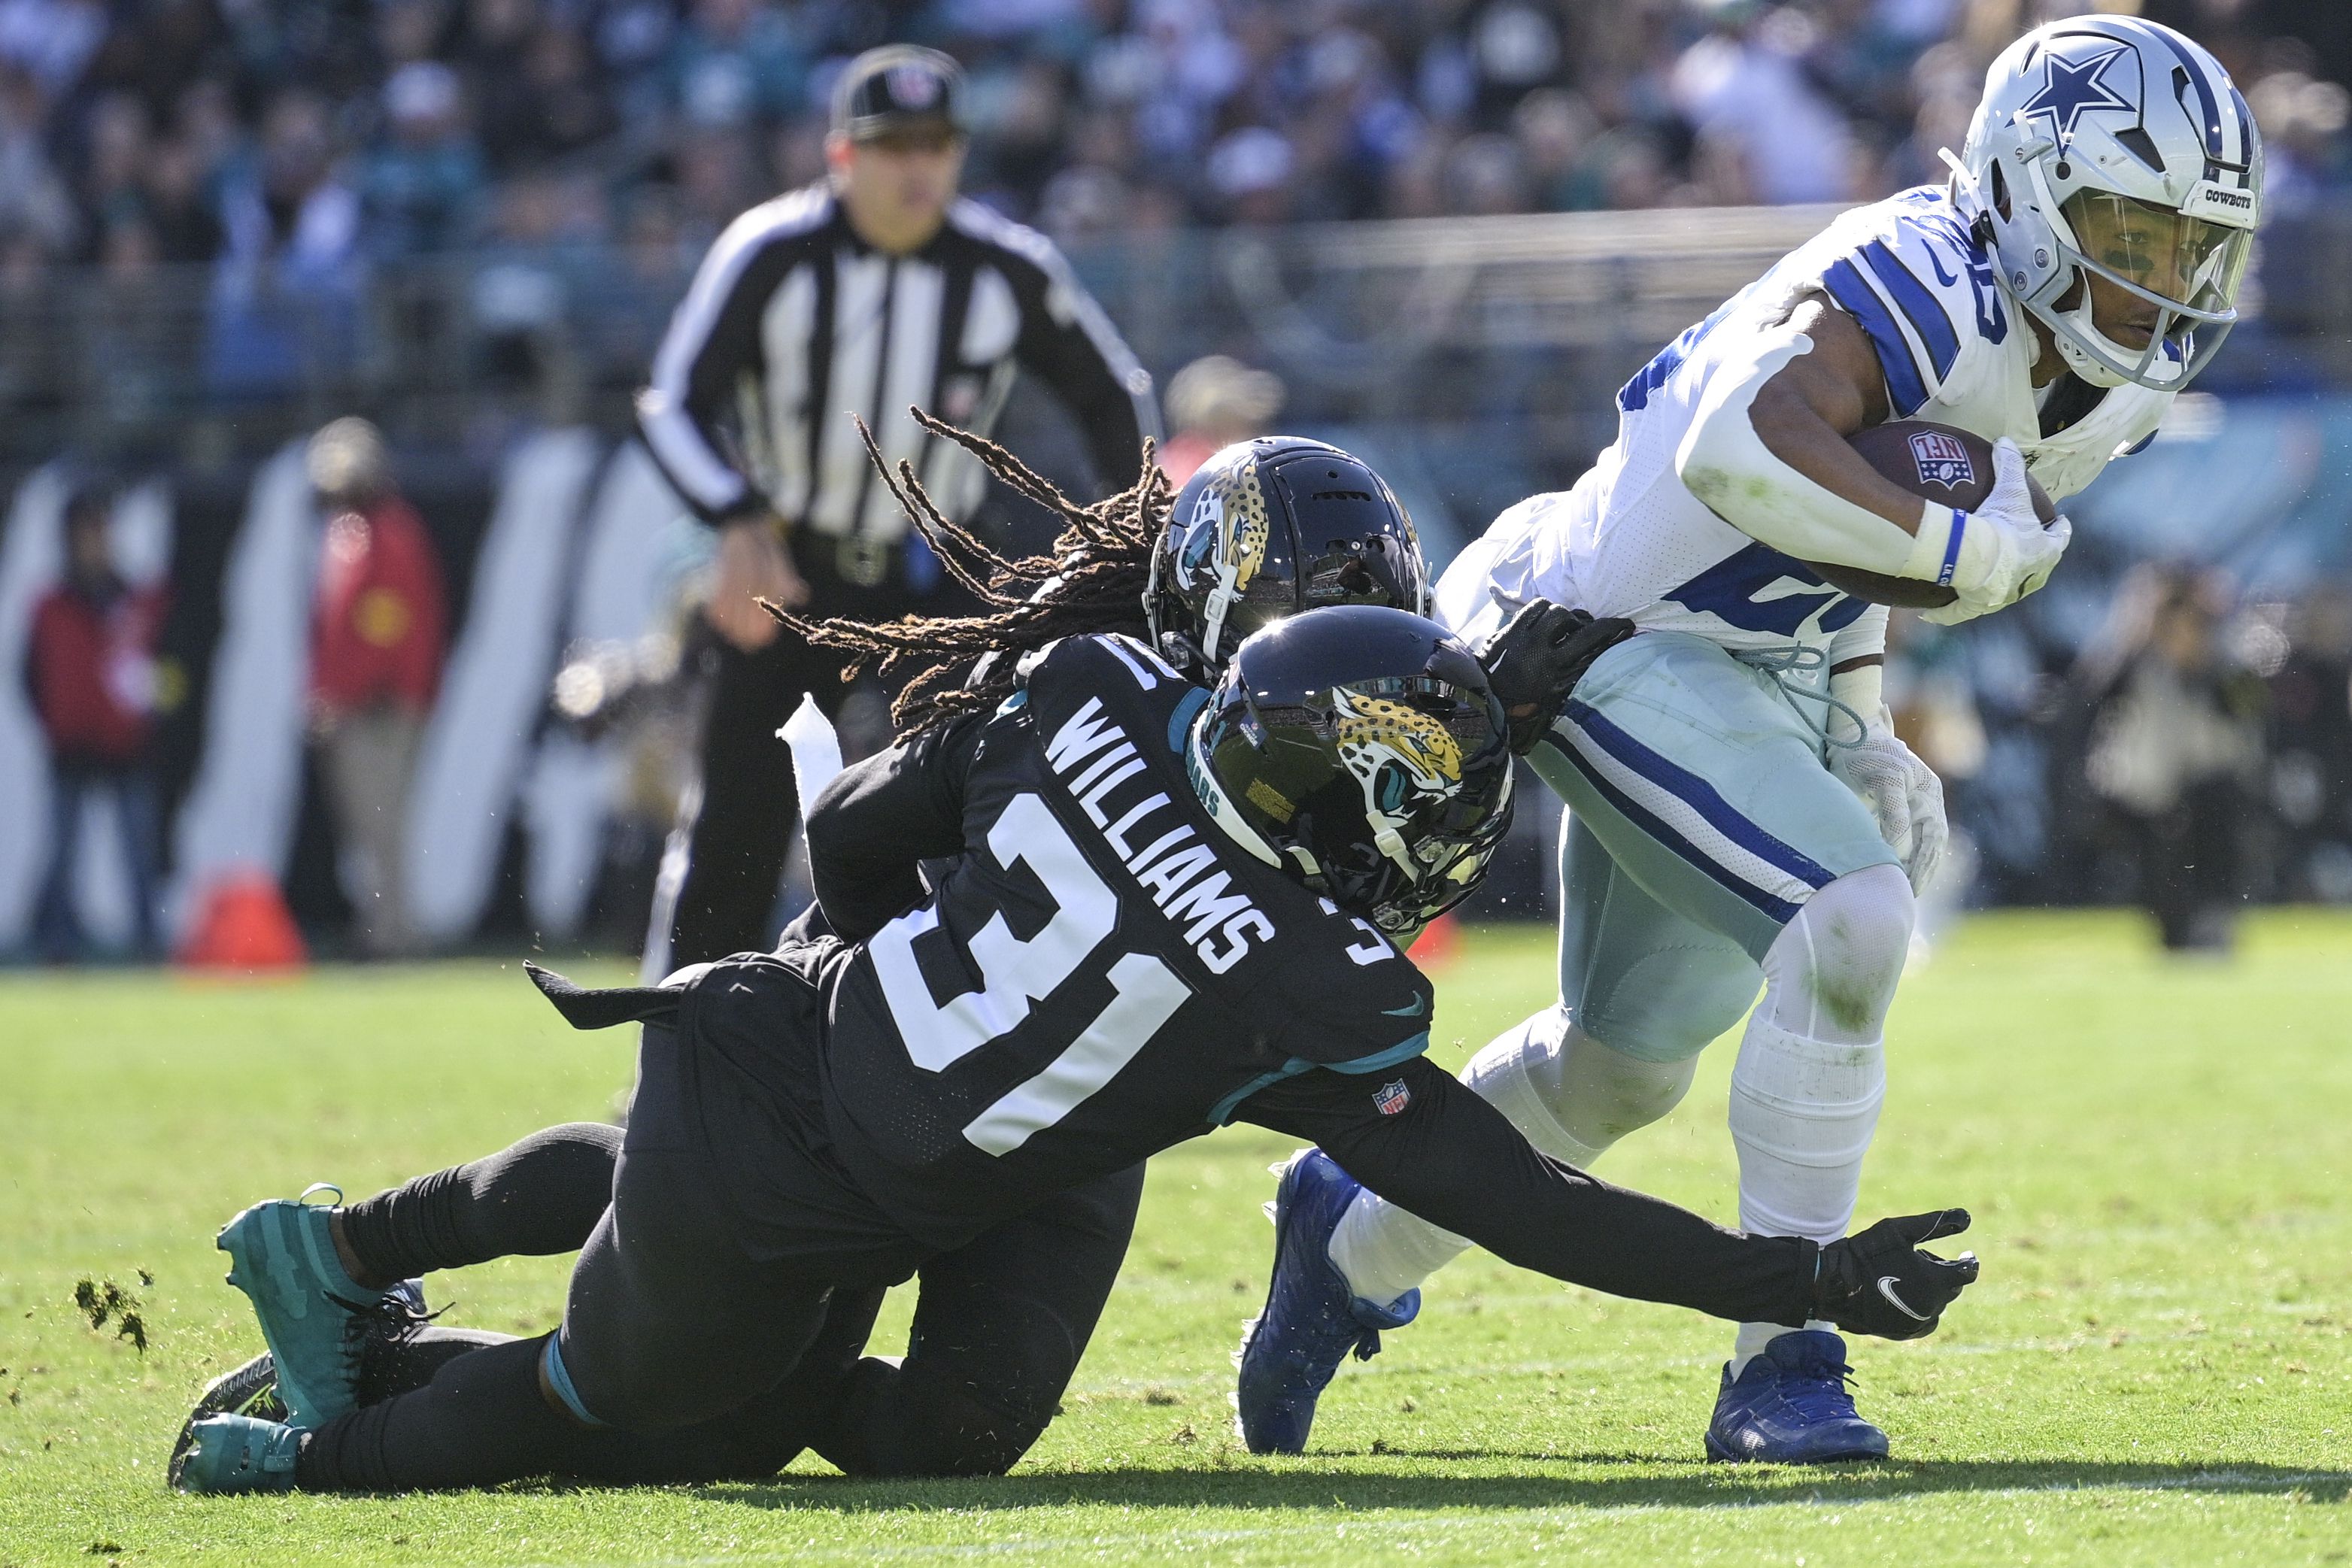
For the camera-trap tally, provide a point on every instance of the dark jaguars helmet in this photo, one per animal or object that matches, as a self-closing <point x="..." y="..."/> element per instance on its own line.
<point x="1269" y="527"/>
<point x="1360" y="748"/>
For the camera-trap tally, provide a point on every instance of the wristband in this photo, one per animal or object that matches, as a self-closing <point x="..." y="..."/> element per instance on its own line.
<point x="1935" y="548"/>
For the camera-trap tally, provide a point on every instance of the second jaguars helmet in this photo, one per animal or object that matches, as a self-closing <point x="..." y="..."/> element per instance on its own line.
<point x="2114" y="148"/>
<point x="1360" y="748"/>
<point x="1270" y="526"/>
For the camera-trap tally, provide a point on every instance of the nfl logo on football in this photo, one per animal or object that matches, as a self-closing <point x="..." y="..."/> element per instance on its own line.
<point x="1942" y="459"/>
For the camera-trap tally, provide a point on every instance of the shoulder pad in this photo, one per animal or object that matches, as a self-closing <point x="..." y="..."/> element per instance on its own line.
<point x="1921" y="286"/>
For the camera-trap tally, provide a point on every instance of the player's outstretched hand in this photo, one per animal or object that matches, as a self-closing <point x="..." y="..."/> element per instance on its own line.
<point x="1534" y="663"/>
<point x="1879" y="1282"/>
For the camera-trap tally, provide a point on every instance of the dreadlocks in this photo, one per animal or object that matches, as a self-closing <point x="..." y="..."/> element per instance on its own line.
<point x="1093" y="581"/>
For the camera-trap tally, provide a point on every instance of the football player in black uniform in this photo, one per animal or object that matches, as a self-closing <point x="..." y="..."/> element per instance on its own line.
<point x="1156" y="908"/>
<point x="1266" y="527"/>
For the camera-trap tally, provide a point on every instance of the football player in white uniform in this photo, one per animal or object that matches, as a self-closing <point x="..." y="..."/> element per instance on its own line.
<point x="1740" y="809"/>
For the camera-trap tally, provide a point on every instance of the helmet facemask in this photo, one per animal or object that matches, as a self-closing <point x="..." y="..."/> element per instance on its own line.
<point x="2189" y="270"/>
<point x="1404" y="828"/>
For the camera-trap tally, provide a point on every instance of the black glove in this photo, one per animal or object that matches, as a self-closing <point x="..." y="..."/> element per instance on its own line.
<point x="1879" y="1283"/>
<point x="1534" y="664"/>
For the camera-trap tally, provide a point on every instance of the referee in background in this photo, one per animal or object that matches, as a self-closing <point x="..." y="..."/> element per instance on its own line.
<point x="854" y="297"/>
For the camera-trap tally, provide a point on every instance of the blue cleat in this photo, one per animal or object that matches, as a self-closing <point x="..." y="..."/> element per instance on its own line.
<point x="312" y="1313"/>
<point x="238" y="1453"/>
<point x="1311" y="1320"/>
<point x="1790" y="1406"/>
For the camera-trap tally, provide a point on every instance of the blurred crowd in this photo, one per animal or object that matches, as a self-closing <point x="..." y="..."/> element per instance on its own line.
<point x="260" y="199"/>
<point x="307" y="134"/>
<point x="2192" y="756"/>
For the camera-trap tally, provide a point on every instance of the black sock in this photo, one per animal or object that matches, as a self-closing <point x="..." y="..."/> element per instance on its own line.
<point x="542" y="1195"/>
<point x="481" y="1420"/>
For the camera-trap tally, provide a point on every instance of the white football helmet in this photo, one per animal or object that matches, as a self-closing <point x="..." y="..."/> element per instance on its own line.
<point x="2113" y="148"/>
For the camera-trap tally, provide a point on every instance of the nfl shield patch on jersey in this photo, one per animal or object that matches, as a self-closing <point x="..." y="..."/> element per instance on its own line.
<point x="1391" y="1097"/>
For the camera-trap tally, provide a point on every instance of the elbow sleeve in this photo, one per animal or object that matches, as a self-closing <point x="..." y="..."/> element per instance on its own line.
<point x="1727" y="465"/>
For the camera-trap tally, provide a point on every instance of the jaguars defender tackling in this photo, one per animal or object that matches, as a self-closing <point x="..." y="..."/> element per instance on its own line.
<point x="1740" y="808"/>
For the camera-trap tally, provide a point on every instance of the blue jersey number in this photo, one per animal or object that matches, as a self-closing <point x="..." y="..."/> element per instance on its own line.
<point x="1761" y="590"/>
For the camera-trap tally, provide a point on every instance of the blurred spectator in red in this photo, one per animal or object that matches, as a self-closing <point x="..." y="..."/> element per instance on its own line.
<point x="1213" y="402"/>
<point x="375" y="662"/>
<point x="90" y="672"/>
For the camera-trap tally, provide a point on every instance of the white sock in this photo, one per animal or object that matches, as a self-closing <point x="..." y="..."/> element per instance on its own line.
<point x="1811" y="1073"/>
<point x="1753" y="1337"/>
<point x="1567" y="1093"/>
<point x="1382" y="1251"/>
<point x="1803" y="1113"/>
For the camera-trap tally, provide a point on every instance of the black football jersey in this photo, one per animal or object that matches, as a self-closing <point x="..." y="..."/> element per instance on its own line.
<point x="1095" y="972"/>
<point x="1100" y="973"/>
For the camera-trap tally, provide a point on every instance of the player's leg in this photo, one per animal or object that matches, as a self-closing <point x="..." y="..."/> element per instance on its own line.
<point x="1349" y="1263"/>
<point x="736" y="848"/>
<point x="669" y="1322"/>
<point x="317" y="1276"/>
<point x="539" y="1196"/>
<point x="1696" y="775"/>
<point x="1641" y="992"/>
<point x="999" y="1327"/>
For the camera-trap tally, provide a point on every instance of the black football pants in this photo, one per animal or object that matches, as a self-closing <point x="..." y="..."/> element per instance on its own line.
<point x="999" y="1327"/>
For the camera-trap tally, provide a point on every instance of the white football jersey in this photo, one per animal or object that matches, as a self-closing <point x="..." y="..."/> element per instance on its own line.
<point x="1630" y="539"/>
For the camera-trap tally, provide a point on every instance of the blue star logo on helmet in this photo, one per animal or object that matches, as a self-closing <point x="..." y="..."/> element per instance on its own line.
<point x="2072" y="89"/>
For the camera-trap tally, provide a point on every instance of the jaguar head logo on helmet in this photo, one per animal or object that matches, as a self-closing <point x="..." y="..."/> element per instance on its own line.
<point x="1270" y="526"/>
<point x="1363" y="750"/>
<point x="2118" y="173"/>
<point x="1403" y="757"/>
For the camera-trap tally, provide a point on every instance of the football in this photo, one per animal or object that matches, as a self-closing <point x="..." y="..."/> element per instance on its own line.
<point x="1940" y="463"/>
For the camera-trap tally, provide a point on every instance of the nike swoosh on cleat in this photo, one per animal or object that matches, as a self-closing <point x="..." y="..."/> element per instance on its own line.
<point x="1886" y="1288"/>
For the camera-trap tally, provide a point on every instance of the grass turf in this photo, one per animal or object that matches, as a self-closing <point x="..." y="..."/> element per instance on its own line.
<point x="2155" y="1368"/>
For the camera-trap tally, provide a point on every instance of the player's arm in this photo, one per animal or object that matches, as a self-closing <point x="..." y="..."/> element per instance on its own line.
<point x="1767" y="452"/>
<point x="713" y="341"/>
<point x="1456" y="1162"/>
<point x="879" y="819"/>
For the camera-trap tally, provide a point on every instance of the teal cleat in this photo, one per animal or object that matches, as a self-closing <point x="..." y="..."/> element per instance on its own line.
<point x="312" y="1313"/>
<point x="238" y="1453"/>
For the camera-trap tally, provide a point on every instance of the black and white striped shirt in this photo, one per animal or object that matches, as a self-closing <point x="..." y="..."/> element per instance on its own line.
<point x="794" y="325"/>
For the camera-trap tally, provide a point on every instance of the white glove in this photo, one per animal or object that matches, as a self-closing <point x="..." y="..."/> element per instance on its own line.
<point x="1903" y="793"/>
<point x="1991" y="556"/>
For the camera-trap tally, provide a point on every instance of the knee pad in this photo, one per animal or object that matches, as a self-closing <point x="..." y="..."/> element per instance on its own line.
<point x="1832" y="973"/>
<point x="1607" y="1094"/>
<point x="1569" y="1094"/>
<point x="1802" y="1114"/>
<point x="1517" y="1074"/>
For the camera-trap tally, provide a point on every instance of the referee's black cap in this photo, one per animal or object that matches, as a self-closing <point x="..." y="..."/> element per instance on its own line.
<point x="899" y="86"/>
